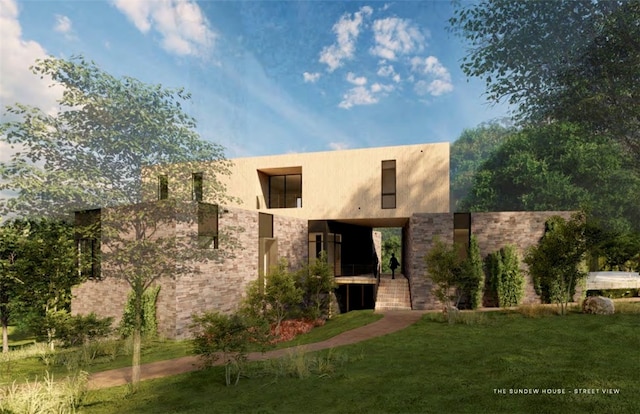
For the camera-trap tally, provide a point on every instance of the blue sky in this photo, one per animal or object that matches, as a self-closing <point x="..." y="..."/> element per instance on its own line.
<point x="266" y="77"/>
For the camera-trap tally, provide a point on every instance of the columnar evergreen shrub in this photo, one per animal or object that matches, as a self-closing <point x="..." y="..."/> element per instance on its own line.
<point x="316" y="282"/>
<point x="506" y="280"/>
<point x="475" y="274"/>
<point x="149" y="320"/>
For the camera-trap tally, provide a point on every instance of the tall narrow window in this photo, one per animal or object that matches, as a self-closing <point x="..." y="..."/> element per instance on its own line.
<point x="207" y="225"/>
<point x="88" y="230"/>
<point x="197" y="184"/>
<point x="462" y="232"/>
<point x="163" y="187"/>
<point x="389" y="184"/>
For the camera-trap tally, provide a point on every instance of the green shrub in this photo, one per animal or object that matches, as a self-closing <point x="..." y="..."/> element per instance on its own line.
<point x="79" y="329"/>
<point x="506" y="280"/>
<point x="316" y="282"/>
<point x="443" y="265"/>
<point x="556" y="262"/>
<point x="227" y="337"/>
<point x="475" y="279"/>
<point x="456" y="277"/>
<point x="278" y="299"/>
<point x="149" y="321"/>
<point x="615" y="293"/>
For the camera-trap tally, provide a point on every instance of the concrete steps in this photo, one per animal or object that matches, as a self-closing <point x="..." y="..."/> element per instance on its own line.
<point x="393" y="294"/>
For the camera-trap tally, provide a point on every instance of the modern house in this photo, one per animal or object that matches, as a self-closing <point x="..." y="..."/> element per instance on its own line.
<point x="294" y="206"/>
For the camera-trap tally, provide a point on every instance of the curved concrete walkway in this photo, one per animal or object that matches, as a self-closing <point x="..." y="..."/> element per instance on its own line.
<point x="392" y="321"/>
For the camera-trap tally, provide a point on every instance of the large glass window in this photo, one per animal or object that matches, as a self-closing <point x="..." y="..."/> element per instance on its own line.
<point x="389" y="184"/>
<point x="285" y="191"/>
<point x="197" y="185"/>
<point x="163" y="187"/>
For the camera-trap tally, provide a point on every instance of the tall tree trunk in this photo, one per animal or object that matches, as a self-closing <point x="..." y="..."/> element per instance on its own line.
<point x="137" y="341"/>
<point x="5" y="336"/>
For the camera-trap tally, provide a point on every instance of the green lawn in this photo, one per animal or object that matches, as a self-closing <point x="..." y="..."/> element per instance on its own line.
<point x="431" y="367"/>
<point x="153" y="350"/>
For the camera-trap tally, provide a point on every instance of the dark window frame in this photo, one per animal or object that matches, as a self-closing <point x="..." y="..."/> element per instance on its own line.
<point x="385" y="193"/>
<point x="163" y="187"/>
<point x="208" y="225"/>
<point x="285" y="193"/>
<point x="197" y="186"/>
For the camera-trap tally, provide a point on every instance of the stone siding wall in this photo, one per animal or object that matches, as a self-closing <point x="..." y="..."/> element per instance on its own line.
<point x="215" y="285"/>
<point x="521" y="229"/>
<point x="293" y="240"/>
<point x="420" y="234"/>
<point x="220" y="284"/>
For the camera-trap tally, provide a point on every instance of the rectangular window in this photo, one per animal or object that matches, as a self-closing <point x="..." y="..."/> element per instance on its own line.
<point x="462" y="233"/>
<point x="389" y="184"/>
<point x="163" y="187"/>
<point x="207" y="225"/>
<point x="265" y="225"/>
<point x="197" y="180"/>
<point x="285" y="191"/>
<point x="88" y="230"/>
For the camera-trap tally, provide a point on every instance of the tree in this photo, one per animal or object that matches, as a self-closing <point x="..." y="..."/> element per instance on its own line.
<point x="472" y="148"/>
<point x="48" y="267"/>
<point x="560" y="167"/>
<point x="91" y="154"/>
<point x="556" y="262"/>
<point x="275" y="298"/>
<point x="317" y="283"/>
<point x="443" y="263"/>
<point x="10" y="238"/>
<point x="38" y="270"/>
<point x="574" y="60"/>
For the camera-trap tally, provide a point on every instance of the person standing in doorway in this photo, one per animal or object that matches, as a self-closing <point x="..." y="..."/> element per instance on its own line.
<point x="393" y="264"/>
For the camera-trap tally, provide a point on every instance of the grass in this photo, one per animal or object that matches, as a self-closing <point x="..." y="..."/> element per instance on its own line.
<point x="432" y="367"/>
<point x="33" y="362"/>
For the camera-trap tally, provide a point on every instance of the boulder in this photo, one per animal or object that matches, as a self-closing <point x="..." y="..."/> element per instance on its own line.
<point x="598" y="305"/>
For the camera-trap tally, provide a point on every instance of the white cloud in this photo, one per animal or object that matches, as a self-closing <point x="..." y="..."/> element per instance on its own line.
<point x="184" y="29"/>
<point x="388" y="71"/>
<point x="378" y="87"/>
<point x="357" y="96"/>
<point x="347" y="30"/>
<point x="441" y="78"/>
<point x="63" y="24"/>
<point x="429" y="66"/>
<point x="360" y="80"/>
<point x="436" y="87"/>
<point x="394" y="36"/>
<point x="361" y="95"/>
<point x="311" y="77"/>
<point x="17" y="82"/>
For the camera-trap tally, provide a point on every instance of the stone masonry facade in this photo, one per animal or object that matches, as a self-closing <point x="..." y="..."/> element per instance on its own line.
<point x="420" y="234"/>
<point x="218" y="285"/>
<point x="493" y="232"/>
